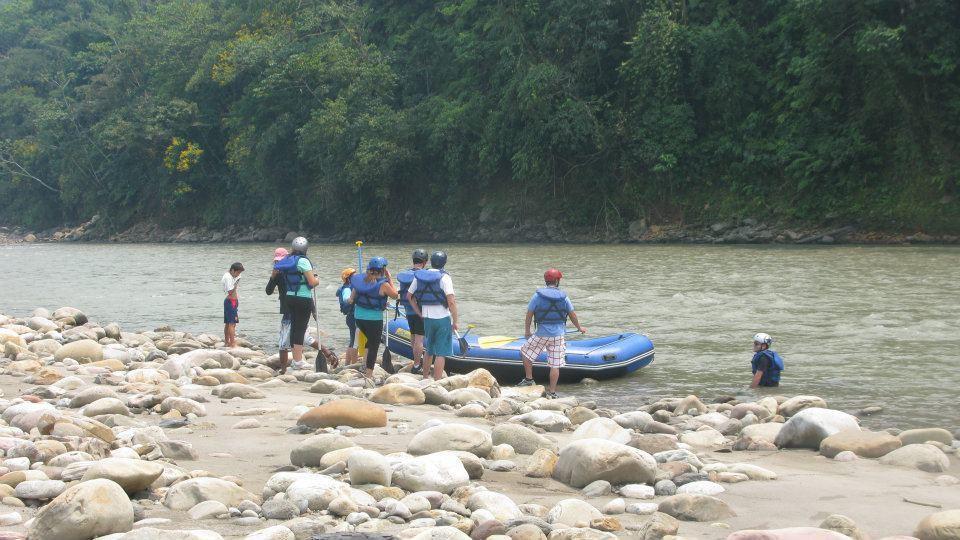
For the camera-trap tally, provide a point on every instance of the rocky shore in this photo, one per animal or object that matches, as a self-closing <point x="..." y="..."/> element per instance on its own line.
<point x="156" y="435"/>
<point x="746" y="231"/>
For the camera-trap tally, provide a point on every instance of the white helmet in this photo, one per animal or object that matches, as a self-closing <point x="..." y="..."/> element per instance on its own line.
<point x="762" y="338"/>
<point x="300" y="244"/>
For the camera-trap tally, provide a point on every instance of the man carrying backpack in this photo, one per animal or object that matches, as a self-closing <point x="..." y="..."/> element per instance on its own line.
<point x="431" y="297"/>
<point x="414" y="321"/>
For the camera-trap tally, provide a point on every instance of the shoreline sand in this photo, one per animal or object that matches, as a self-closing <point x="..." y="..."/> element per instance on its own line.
<point x="883" y="500"/>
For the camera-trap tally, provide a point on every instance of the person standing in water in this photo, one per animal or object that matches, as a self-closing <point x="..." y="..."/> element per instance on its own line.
<point x="231" y="304"/>
<point x="766" y="364"/>
<point x="369" y="300"/>
<point x="414" y="321"/>
<point x="296" y="273"/>
<point x="431" y="296"/>
<point x="550" y="307"/>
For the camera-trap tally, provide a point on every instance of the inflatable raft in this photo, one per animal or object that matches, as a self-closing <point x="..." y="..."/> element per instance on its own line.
<point x="598" y="358"/>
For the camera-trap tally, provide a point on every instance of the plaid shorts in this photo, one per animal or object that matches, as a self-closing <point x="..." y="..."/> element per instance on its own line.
<point x="556" y="347"/>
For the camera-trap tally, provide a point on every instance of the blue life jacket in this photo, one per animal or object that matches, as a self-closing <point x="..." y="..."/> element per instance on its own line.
<point x="404" y="279"/>
<point x="368" y="293"/>
<point x="771" y="376"/>
<point x="345" y="306"/>
<point x="551" y="306"/>
<point x="292" y="277"/>
<point x="429" y="292"/>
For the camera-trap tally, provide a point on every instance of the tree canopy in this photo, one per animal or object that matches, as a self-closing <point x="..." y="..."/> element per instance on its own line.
<point x="415" y="113"/>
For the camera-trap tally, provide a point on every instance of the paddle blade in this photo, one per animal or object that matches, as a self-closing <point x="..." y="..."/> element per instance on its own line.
<point x="387" y="361"/>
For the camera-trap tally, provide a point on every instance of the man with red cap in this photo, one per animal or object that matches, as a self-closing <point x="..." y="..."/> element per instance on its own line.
<point x="549" y="308"/>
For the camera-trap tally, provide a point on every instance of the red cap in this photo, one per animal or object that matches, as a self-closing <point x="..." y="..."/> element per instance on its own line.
<point x="552" y="275"/>
<point x="279" y="253"/>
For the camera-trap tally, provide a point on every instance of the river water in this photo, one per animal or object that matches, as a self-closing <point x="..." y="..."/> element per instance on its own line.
<point x="856" y="325"/>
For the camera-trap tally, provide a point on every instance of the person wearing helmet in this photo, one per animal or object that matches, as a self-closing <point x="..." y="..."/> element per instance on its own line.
<point x="275" y="283"/>
<point x="766" y="364"/>
<point x="550" y="307"/>
<point x="231" y="304"/>
<point x="431" y="297"/>
<point x="343" y="298"/>
<point x="369" y="300"/>
<point x="414" y="321"/>
<point x="297" y="276"/>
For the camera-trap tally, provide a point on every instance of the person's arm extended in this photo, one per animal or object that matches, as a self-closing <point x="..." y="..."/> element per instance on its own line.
<point x="452" y="306"/>
<point x="312" y="279"/>
<point x="756" y="379"/>
<point x="387" y="289"/>
<point x="413" y="303"/>
<point x="526" y="325"/>
<point x="272" y="283"/>
<point x="576" y="322"/>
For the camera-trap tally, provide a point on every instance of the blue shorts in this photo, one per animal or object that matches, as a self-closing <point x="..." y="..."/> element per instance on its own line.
<point x="438" y="336"/>
<point x="230" y="315"/>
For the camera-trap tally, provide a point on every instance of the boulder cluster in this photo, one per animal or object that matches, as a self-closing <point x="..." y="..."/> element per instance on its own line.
<point x="92" y="447"/>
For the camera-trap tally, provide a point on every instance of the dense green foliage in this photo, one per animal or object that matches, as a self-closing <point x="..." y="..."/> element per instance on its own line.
<point x="330" y="113"/>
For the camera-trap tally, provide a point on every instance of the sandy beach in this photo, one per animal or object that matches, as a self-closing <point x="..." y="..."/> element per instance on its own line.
<point x="882" y="499"/>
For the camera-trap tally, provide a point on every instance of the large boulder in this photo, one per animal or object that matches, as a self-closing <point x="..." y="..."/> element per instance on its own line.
<point x="70" y="312"/>
<point x="438" y="472"/>
<point x="451" y="437"/>
<point x="188" y="493"/>
<point x="694" y="507"/>
<point x="183" y="405"/>
<point x="572" y="513"/>
<point x="237" y="390"/>
<point x="939" y="526"/>
<point x="85" y="510"/>
<point x="767" y="431"/>
<point x="922" y="435"/>
<point x="523" y="439"/>
<point x="398" y="394"/>
<point x="547" y="420"/>
<point x="925" y="457"/>
<point x="501" y="506"/>
<point x="106" y="406"/>
<point x="345" y="412"/>
<point x="83" y="351"/>
<point x="587" y="460"/>
<point x="132" y="475"/>
<point x="634" y="419"/>
<point x="369" y="467"/>
<point x="309" y="452"/>
<point x="796" y="404"/>
<point x="809" y="427"/>
<point x="867" y="444"/>
<point x="602" y="428"/>
<point x="790" y="533"/>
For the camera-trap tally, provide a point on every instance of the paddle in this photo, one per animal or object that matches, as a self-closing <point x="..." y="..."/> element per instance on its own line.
<point x="462" y="340"/>
<point x="321" y="361"/>
<point x="494" y="341"/>
<point x="387" y="359"/>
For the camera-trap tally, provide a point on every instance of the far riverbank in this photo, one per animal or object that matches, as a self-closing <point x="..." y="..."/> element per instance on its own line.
<point x="745" y="231"/>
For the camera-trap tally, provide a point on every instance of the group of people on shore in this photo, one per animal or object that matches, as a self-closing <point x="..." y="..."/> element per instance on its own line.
<point x="427" y="299"/>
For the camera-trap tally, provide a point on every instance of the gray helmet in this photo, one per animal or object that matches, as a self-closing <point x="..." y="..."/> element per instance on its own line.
<point x="438" y="259"/>
<point x="419" y="255"/>
<point x="300" y="244"/>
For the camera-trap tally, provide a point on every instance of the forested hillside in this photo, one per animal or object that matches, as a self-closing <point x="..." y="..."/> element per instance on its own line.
<point x="400" y="115"/>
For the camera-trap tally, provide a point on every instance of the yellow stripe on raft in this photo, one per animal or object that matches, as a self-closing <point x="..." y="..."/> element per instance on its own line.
<point x="494" y="341"/>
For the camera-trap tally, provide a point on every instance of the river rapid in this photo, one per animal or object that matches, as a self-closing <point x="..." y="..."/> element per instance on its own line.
<point x="856" y="325"/>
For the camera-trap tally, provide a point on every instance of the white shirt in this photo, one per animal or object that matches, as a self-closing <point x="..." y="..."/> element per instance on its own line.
<point x="437" y="311"/>
<point x="228" y="282"/>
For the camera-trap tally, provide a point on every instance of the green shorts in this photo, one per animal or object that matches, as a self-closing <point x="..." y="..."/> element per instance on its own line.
<point x="438" y="336"/>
